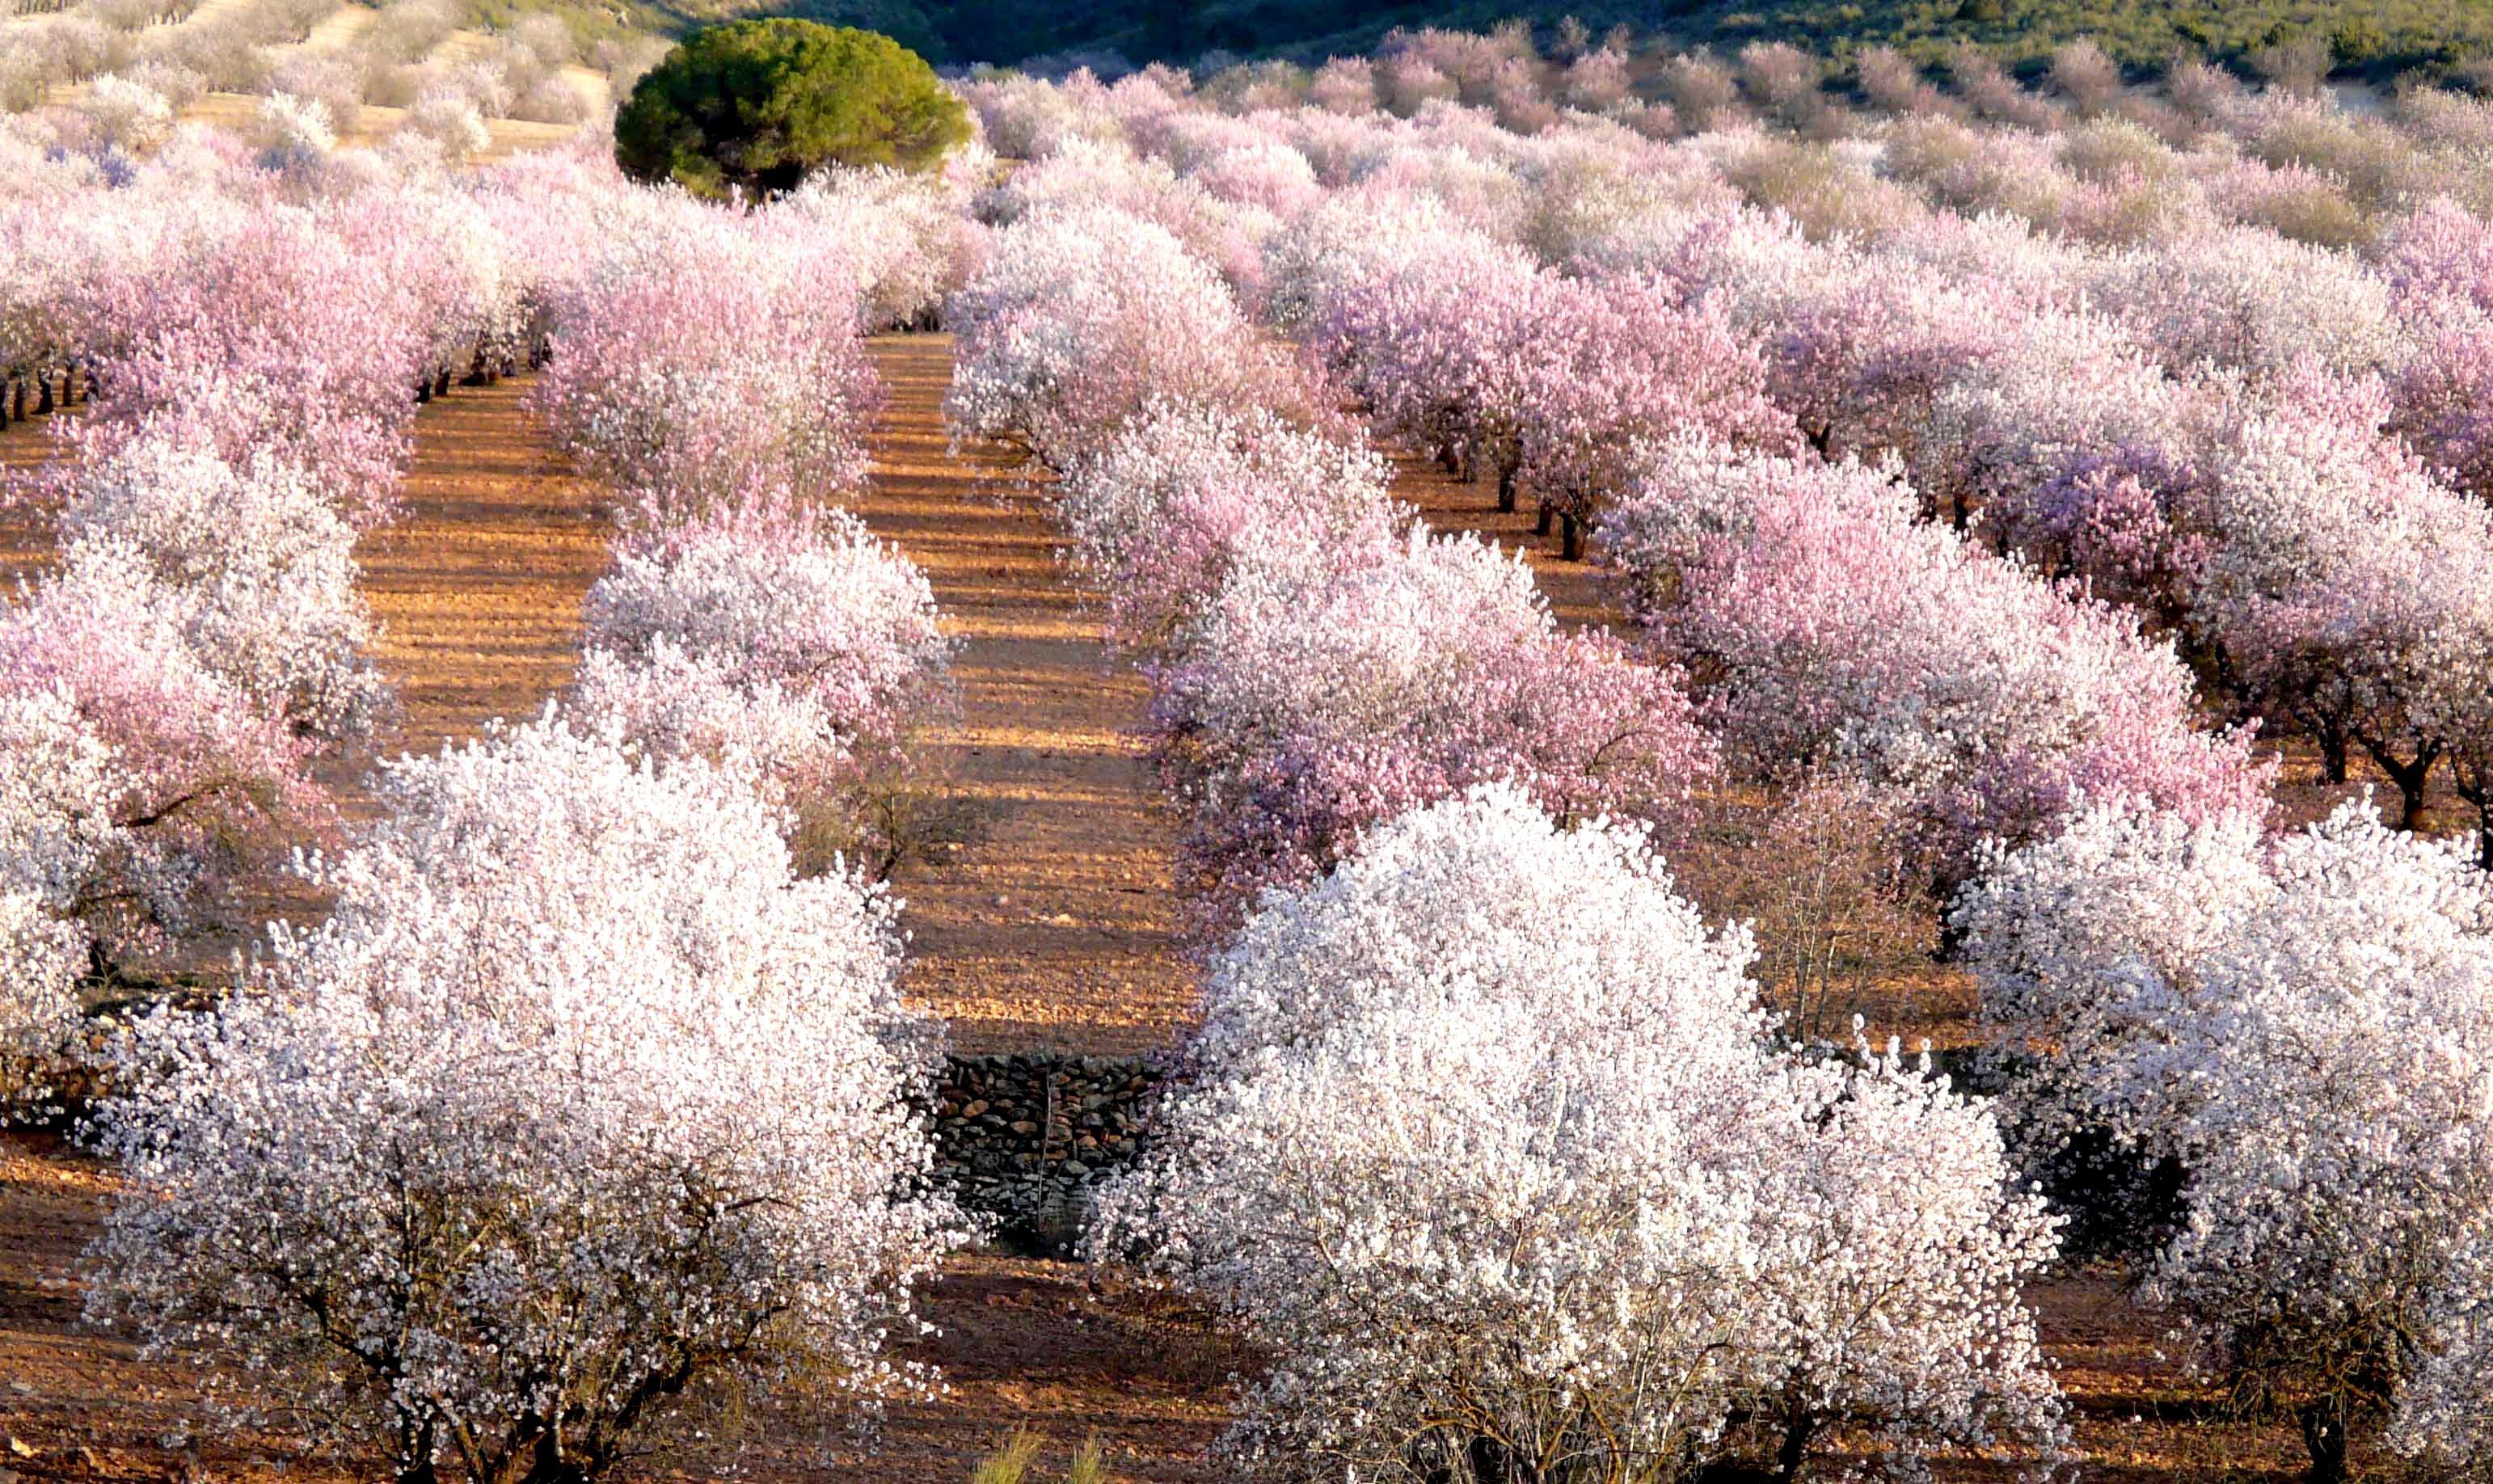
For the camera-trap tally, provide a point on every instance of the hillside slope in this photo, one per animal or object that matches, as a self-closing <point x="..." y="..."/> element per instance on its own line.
<point x="2375" y="35"/>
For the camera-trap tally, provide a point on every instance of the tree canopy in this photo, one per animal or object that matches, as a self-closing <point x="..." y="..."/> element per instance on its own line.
<point x="757" y="104"/>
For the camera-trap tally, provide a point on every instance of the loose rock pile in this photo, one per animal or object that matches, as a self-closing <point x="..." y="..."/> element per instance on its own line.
<point x="1025" y="1139"/>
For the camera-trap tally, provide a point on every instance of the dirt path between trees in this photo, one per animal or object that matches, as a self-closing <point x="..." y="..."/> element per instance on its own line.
<point x="477" y="585"/>
<point x="1051" y="924"/>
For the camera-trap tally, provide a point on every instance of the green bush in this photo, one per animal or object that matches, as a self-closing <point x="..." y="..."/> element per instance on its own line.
<point x="754" y="105"/>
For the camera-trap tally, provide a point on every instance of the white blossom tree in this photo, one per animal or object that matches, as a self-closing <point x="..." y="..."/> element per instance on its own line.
<point x="784" y="642"/>
<point x="57" y="792"/>
<point x="1508" y="1203"/>
<point x="2306" y="1024"/>
<point x="254" y="565"/>
<point x="579" y="1109"/>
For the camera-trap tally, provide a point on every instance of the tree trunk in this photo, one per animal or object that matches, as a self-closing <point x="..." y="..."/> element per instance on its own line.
<point x="2332" y="751"/>
<point x="21" y="398"/>
<point x="2412" y="778"/>
<point x="542" y="1463"/>
<point x="442" y="383"/>
<point x="43" y="393"/>
<point x="2411" y="786"/>
<point x="1794" y="1450"/>
<point x="1571" y="540"/>
<point x="2323" y="1433"/>
<point x="424" y="392"/>
<point x="1548" y="513"/>
<point x="1506" y="470"/>
<point x="1490" y="1463"/>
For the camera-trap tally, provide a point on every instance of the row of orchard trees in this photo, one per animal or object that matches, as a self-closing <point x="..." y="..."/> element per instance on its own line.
<point x="1488" y="1145"/>
<point x="2265" y="447"/>
<point x="2005" y="525"/>
<point x="588" y="1099"/>
<point x="198" y="642"/>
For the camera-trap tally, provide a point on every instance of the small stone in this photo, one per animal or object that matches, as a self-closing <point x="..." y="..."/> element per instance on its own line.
<point x="973" y="1109"/>
<point x="1025" y="1128"/>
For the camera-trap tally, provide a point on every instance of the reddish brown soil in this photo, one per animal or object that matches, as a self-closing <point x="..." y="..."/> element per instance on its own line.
<point x="25" y="521"/>
<point x="1052" y="923"/>
<point x="478" y="586"/>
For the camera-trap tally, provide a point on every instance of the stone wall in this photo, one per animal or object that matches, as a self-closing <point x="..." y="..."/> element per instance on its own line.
<point x="1025" y="1139"/>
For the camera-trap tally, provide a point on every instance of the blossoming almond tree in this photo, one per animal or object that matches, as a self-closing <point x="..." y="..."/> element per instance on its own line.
<point x="786" y="644"/>
<point x="1503" y="1203"/>
<point x="1162" y="513"/>
<point x="253" y="563"/>
<point x="579" y="1111"/>
<point x="56" y="796"/>
<point x="1831" y="627"/>
<point x="1081" y="316"/>
<point x="1312" y="702"/>
<point x="198" y="784"/>
<point x="2307" y="1025"/>
<point x="1440" y="345"/>
<point x="705" y="356"/>
<point x="1622" y="361"/>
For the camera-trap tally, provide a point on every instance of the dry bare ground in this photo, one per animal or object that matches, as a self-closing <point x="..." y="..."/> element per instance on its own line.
<point x="1048" y="924"/>
<point x="372" y="123"/>
<point x="1052" y="923"/>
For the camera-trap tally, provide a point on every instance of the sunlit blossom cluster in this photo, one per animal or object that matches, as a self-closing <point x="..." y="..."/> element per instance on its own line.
<point x="785" y="645"/>
<point x="2306" y="1024"/>
<point x="580" y="1107"/>
<point x="704" y="357"/>
<point x="1487" y="1192"/>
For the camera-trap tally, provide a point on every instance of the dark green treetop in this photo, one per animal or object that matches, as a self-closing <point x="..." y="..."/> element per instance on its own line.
<point x="757" y="104"/>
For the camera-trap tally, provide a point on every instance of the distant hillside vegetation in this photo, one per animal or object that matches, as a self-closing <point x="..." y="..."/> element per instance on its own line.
<point x="2375" y="36"/>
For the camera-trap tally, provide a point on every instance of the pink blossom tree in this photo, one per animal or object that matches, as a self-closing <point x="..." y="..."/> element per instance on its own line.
<point x="1311" y="702"/>
<point x="185" y="786"/>
<point x="272" y="337"/>
<point x="709" y="355"/>
<point x="1161" y="515"/>
<point x="1443" y="348"/>
<point x="2345" y="586"/>
<point x="1081" y="317"/>
<point x="1621" y="360"/>
<point x="1829" y="627"/>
